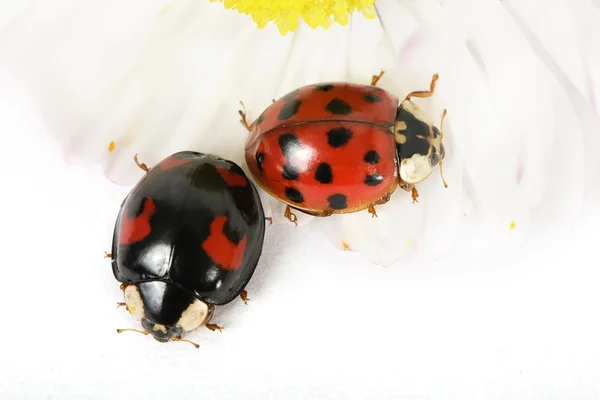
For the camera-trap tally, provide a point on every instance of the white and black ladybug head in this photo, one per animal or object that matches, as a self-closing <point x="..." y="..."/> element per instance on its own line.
<point x="418" y="143"/>
<point x="165" y="310"/>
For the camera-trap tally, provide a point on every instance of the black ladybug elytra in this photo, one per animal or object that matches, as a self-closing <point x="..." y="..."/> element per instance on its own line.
<point x="188" y="238"/>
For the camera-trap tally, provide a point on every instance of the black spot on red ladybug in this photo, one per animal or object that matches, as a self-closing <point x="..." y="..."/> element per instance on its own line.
<point x="294" y="195"/>
<point x="260" y="159"/>
<point x="373" y="179"/>
<point x="259" y="120"/>
<point x="289" y="109"/>
<point x="324" y="173"/>
<point x="290" y="173"/>
<point x="371" y="98"/>
<point x="372" y="157"/>
<point x="288" y="143"/>
<point x="290" y="95"/>
<point x="338" y="107"/>
<point x="337" y="201"/>
<point x="337" y="137"/>
<point x="324" y="88"/>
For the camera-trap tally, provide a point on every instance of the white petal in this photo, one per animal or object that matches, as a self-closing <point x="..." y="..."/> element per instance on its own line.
<point x="156" y="77"/>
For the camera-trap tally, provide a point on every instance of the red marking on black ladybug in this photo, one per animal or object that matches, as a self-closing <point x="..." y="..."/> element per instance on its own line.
<point x="220" y="249"/>
<point x="294" y="195"/>
<point x="135" y="229"/>
<point x="338" y="137"/>
<point x="289" y="109"/>
<point x="232" y="178"/>
<point x="338" y="107"/>
<point x="372" y="157"/>
<point x="172" y="162"/>
<point x="337" y="201"/>
<point x="324" y="174"/>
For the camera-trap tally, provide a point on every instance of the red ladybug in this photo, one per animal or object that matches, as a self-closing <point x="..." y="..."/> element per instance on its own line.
<point x="338" y="147"/>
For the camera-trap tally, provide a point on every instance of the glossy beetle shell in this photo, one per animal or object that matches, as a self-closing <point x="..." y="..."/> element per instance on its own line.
<point x="195" y="221"/>
<point x="327" y="148"/>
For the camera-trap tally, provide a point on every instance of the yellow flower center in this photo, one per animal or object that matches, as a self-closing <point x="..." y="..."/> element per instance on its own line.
<point x="285" y="14"/>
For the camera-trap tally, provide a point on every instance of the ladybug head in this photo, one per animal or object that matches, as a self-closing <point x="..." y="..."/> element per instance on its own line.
<point x="166" y="311"/>
<point x="418" y="143"/>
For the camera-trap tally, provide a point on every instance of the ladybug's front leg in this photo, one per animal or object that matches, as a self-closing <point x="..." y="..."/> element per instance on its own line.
<point x="244" y="122"/>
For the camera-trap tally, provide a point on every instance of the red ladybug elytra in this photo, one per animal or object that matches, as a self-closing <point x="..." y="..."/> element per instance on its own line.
<point x="340" y="147"/>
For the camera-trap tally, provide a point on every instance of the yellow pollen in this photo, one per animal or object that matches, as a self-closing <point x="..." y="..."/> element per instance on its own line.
<point x="111" y="147"/>
<point x="345" y="246"/>
<point x="512" y="225"/>
<point x="407" y="243"/>
<point x="286" y="14"/>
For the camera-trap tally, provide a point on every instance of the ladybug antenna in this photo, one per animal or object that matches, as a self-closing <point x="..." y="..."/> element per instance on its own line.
<point x="133" y="330"/>
<point x="178" y="339"/>
<point x="442" y="137"/>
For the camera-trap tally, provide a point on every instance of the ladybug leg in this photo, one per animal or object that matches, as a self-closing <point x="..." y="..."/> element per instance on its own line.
<point x="107" y="255"/>
<point x="409" y="187"/>
<point x="121" y="304"/>
<point x="372" y="211"/>
<point x="243" y="114"/>
<point x="214" y="327"/>
<point x="244" y="296"/>
<point x="376" y="78"/>
<point x="269" y="220"/>
<point x="141" y="165"/>
<point x="424" y="93"/>
<point x="415" y="194"/>
<point x="290" y="215"/>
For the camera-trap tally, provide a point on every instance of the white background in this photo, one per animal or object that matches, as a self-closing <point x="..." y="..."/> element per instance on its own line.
<point x="320" y="323"/>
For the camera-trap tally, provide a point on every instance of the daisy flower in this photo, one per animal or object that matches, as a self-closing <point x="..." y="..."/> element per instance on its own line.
<point x="153" y="77"/>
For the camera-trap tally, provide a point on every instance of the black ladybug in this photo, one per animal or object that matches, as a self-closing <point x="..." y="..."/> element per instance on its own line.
<point x="188" y="238"/>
